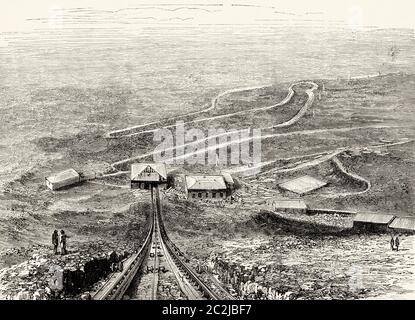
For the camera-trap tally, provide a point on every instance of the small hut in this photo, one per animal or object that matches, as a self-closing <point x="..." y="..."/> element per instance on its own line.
<point x="63" y="179"/>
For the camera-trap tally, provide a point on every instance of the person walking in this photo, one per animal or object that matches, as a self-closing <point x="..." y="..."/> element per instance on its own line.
<point x="397" y="243"/>
<point x="392" y="243"/>
<point x="55" y="241"/>
<point x="62" y="242"/>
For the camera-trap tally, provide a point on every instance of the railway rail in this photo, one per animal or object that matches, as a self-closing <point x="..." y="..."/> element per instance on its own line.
<point x="157" y="244"/>
<point x="154" y="251"/>
<point x="118" y="284"/>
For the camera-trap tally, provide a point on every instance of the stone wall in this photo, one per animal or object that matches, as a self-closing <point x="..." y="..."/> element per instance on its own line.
<point x="44" y="277"/>
<point x="247" y="281"/>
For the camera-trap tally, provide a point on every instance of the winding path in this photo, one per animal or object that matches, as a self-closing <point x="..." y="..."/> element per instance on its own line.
<point x="322" y="157"/>
<point x="352" y="176"/>
<point x="238" y="141"/>
<point x="325" y="156"/>
<point x="303" y="110"/>
<point x="129" y="132"/>
<point x="290" y="122"/>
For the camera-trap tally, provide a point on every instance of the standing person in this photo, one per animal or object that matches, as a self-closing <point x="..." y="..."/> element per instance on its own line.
<point x="55" y="241"/>
<point x="392" y="243"/>
<point x="397" y="243"/>
<point x="62" y="242"/>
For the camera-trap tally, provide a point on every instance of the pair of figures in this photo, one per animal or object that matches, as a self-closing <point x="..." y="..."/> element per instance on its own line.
<point x="395" y="243"/>
<point x="59" y="242"/>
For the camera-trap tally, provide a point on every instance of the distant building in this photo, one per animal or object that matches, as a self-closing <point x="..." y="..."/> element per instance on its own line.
<point x="63" y="179"/>
<point x="372" y="222"/>
<point x="144" y="175"/>
<point x="206" y="187"/>
<point x="302" y="185"/>
<point x="288" y="205"/>
<point x="403" y="224"/>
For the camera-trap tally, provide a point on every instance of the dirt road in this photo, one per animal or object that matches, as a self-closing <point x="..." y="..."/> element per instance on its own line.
<point x="128" y="132"/>
<point x="290" y="122"/>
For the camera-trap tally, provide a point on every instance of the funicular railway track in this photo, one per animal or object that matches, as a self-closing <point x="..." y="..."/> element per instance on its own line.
<point x="157" y="244"/>
<point x="118" y="284"/>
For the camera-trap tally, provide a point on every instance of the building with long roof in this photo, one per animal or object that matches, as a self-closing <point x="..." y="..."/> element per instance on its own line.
<point x="372" y="221"/>
<point x="403" y="224"/>
<point x="205" y="187"/>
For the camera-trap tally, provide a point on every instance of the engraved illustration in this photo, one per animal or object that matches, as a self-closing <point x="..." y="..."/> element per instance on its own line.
<point x="212" y="150"/>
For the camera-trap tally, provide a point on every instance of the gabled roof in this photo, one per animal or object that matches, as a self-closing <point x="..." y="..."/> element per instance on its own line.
<point x="63" y="176"/>
<point x="205" y="183"/>
<point x="379" y="218"/>
<point x="137" y="168"/>
<point x="405" y="223"/>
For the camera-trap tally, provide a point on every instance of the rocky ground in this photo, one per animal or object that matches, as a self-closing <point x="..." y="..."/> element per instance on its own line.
<point x="349" y="267"/>
<point x="168" y="289"/>
<point x="43" y="275"/>
<point x="98" y="221"/>
<point x="300" y="263"/>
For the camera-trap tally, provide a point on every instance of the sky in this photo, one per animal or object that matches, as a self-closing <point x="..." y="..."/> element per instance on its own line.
<point x="354" y="13"/>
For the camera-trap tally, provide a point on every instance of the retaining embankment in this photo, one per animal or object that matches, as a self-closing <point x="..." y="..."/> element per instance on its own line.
<point x="332" y="221"/>
<point x="291" y="223"/>
<point x="330" y="211"/>
<point x="351" y="177"/>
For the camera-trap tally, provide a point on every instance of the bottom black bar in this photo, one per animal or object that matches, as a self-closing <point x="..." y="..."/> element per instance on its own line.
<point x="207" y="309"/>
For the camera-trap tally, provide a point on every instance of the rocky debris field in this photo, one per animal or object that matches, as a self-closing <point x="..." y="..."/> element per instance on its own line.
<point x="304" y="223"/>
<point x="104" y="225"/>
<point x="309" y="267"/>
<point x="141" y="287"/>
<point x="299" y="261"/>
<point x="168" y="288"/>
<point x="43" y="275"/>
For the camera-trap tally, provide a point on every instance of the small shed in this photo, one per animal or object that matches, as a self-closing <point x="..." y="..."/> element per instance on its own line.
<point x="144" y="175"/>
<point x="63" y="179"/>
<point x="206" y="187"/>
<point x="403" y="224"/>
<point x="372" y="222"/>
<point x="288" y="205"/>
<point x="302" y="185"/>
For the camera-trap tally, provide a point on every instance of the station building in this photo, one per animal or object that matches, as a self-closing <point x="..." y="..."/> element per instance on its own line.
<point x="206" y="187"/>
<point x="145" y="175"/>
